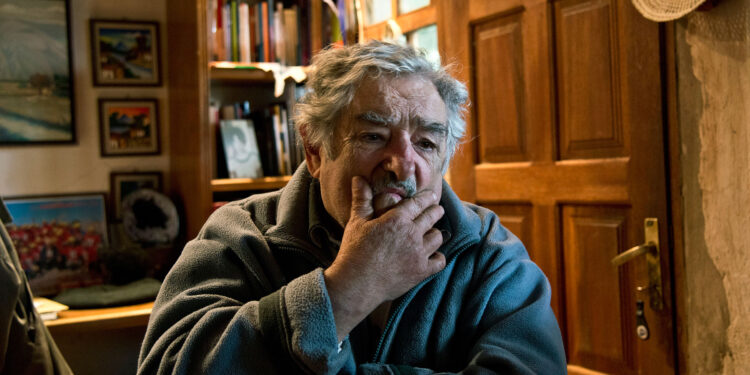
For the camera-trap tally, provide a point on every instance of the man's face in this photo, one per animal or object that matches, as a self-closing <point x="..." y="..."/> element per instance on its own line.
<point x="394" y="135"/>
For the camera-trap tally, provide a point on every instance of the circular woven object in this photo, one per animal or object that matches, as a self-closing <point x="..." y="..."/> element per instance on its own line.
<point x="666" y="10"/>
<point x="149" y="216"/>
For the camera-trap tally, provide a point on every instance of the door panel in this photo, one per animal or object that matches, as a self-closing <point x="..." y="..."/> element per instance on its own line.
<point x="564" y="142"/>
<point x="591" y="237"/>
<point x="586" y="64"/>
<point x="500" y="89"/>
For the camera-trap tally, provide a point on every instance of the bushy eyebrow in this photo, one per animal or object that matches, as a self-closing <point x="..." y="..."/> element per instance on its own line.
<point x="434" y="127"/>
<point x="374" y="117"/>
<point x="425" y="124"/>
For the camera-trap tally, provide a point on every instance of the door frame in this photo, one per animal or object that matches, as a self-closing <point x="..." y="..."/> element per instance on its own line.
<point x="673" y="166"/>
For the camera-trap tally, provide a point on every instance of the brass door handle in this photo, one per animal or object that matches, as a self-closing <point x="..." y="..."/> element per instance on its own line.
<point x="651" y="250"/>
<point x="632" y="253"/>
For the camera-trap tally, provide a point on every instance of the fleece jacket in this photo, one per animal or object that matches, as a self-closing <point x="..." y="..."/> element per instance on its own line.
<point x="248" y="296"/>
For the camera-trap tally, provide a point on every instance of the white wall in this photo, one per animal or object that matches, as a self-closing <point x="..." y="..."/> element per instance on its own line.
<point x="79" y="167"/>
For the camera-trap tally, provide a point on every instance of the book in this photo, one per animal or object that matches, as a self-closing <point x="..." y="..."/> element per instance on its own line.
<point x="233" y="13"/>
<point x="245" y="49"/>
<point x="265" y="29"/>
<point x="265" y="132"/>
<point x="227" y="28"/>
<point x="291" y="42"/>
<point x="241" y="149"/>
<point x="278" y="33"/>
<point x="47" y="308"/>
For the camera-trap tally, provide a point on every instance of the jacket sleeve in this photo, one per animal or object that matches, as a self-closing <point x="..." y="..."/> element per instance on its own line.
<point x="217" y="312"/>
<point x="506" y="319"/>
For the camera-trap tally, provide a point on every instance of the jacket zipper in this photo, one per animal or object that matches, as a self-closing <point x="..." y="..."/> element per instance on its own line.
<point x="407" y="297"/>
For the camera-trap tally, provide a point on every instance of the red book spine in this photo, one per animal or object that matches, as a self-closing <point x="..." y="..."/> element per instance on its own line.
<point x="266" y="38"/>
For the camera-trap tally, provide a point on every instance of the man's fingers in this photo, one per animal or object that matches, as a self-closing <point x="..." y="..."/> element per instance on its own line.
<point x="414" y="206"/>
<point x="361" y="198"/>
<point x="432" y="240"/>
<point x="436" y="262"/>
<point x="429" y="217"/>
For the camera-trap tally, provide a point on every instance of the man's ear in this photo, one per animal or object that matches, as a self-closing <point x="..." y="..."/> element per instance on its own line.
<point x="312" y="157"/>
<point x="312" y="154"/>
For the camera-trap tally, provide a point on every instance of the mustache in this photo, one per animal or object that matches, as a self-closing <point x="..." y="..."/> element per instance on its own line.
<point x="409" y="186"/>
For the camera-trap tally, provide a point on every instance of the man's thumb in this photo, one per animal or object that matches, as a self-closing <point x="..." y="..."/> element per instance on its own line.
<point x="361" y="198"/>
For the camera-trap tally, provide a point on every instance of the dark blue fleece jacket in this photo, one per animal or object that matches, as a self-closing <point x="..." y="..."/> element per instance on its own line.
<point x="248" y="296"/>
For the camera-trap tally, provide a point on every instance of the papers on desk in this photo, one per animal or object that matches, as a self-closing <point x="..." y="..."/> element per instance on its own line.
<point x="48" y="308"/>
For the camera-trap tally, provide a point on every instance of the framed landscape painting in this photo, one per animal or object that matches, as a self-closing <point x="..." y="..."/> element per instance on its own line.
<point x="125" y="53"/>
<point x="129" y="127"/>
<point x="58" y="239"/>
<point x="36" y="86"/>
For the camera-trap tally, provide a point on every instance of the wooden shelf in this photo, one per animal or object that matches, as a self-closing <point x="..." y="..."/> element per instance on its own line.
<point x="254" y="72"/>
<point x="101" y="319"/>
<point x="226" y="71"/>
<point x="240" y="184"/>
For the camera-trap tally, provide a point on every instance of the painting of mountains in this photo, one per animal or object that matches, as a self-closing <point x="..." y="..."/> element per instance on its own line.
<point x="36" y="90"/>
<point x="128" y="127"/>
<point x="125" y="53"/>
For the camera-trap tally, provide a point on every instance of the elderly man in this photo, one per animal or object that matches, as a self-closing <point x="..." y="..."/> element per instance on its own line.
<point x="366" y="262"/>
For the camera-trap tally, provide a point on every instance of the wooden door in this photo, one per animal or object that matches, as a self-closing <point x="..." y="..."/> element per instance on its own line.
<point x="565" y="143"/>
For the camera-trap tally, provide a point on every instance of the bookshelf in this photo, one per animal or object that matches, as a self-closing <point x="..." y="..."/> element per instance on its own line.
<point x="195" y="79"/>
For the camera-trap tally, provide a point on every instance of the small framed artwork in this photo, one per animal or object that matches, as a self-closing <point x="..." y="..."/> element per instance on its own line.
<point x="58" y="239"/>
<point x="129" y="127"/>
<point x="125" y="53"/>
<point x="36" y="84"/>
<point x="241" y="149"/>
<point x="124" y="183"/>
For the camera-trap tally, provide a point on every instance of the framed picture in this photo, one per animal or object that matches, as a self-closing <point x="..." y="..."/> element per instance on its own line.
<point x="58" y="239"/>
<point x="125" y="53"/>
<point x="129" y="127"/>
<point x="36" y="104"/>
<point x="241" y="149"/>
<point x="124" y="183"/>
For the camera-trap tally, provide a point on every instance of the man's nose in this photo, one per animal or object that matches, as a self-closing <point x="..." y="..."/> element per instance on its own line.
<point x="400" y="158"/>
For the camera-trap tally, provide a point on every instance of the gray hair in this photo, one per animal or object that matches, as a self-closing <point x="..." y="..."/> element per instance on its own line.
<point x="338" y="72"/>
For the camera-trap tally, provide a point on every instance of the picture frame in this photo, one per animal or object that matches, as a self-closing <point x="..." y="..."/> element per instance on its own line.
<point x="241" y="149"/>
<point x="124" y="183"/>
<point x="125" y="53"/>
<point x="37" y="105"/>
<point x="129" y="127"/>
<point x="59" y="239"/>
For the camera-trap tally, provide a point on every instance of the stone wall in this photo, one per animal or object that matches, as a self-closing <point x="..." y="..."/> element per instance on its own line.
<point x="713" y="69"/>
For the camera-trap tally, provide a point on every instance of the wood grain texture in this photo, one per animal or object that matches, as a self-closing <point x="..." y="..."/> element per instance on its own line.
<point x="500" y="104"/>
<point x="190" y="137"/>
<point x="567" y="181"/>
<point x="100" y="319"/>
<point x="587" y="61"/>
<point x="594" y="149"/>
<point x="596" y="300"/>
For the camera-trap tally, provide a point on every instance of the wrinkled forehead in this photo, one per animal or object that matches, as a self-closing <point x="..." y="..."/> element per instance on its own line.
<point x="411" y="98"/>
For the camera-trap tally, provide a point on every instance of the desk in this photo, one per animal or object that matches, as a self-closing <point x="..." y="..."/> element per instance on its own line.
<point x="101" y="319"/>
<point x="101" y="341"/>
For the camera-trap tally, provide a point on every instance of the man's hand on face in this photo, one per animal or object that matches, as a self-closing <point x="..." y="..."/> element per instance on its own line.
<point x="382" y="258"/>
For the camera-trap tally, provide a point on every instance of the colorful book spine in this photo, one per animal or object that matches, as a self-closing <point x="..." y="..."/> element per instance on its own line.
<point x="235" y="30"/>
<point x="266" y="30"/>
<point x="244" y="39"/>
<point x="227" y="23"/>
